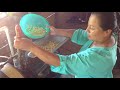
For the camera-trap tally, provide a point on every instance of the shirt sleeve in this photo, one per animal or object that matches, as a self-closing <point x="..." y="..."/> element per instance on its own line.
<point x="81" y="64"/>
<point x="79" y="37"/>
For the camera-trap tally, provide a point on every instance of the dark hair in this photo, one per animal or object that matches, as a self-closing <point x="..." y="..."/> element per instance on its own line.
<point x="109" y="20"/>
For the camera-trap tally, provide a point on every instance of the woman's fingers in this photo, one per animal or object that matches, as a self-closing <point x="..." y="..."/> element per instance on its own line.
<point x="18" y="31"/>
<point x="17" y="38"/>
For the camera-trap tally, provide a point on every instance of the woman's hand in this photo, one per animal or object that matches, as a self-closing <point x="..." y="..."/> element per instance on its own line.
<point x="61" y="32"/>
<point x="21" y="43"/>
<point x="53" y="30"/>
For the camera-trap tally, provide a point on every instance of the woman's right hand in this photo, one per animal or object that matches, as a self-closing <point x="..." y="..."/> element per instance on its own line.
<point x="20" y="42"/>
<point x="53" y="30"/>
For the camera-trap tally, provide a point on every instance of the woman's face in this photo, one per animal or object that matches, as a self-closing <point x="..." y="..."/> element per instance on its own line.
<point x="95" y="32"/>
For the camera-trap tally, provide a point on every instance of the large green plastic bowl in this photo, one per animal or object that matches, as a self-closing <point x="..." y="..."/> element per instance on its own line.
<point x="34" y="26"/>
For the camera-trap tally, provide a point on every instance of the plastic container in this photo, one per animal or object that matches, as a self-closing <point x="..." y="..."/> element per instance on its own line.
<point x="34" y="26"/>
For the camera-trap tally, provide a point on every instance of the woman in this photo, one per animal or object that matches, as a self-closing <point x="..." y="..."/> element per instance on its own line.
<point x="95" y="59"/>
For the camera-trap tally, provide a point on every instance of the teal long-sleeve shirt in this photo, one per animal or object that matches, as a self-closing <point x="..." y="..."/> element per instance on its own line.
<point x="94" y="62"/>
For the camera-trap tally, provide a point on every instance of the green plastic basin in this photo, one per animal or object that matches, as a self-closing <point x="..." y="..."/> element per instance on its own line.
<point x="34" y="26"/>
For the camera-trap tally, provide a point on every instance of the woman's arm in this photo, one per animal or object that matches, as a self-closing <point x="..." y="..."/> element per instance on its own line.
<point x="45" y="56"/>
<point x="61" y="32"/>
